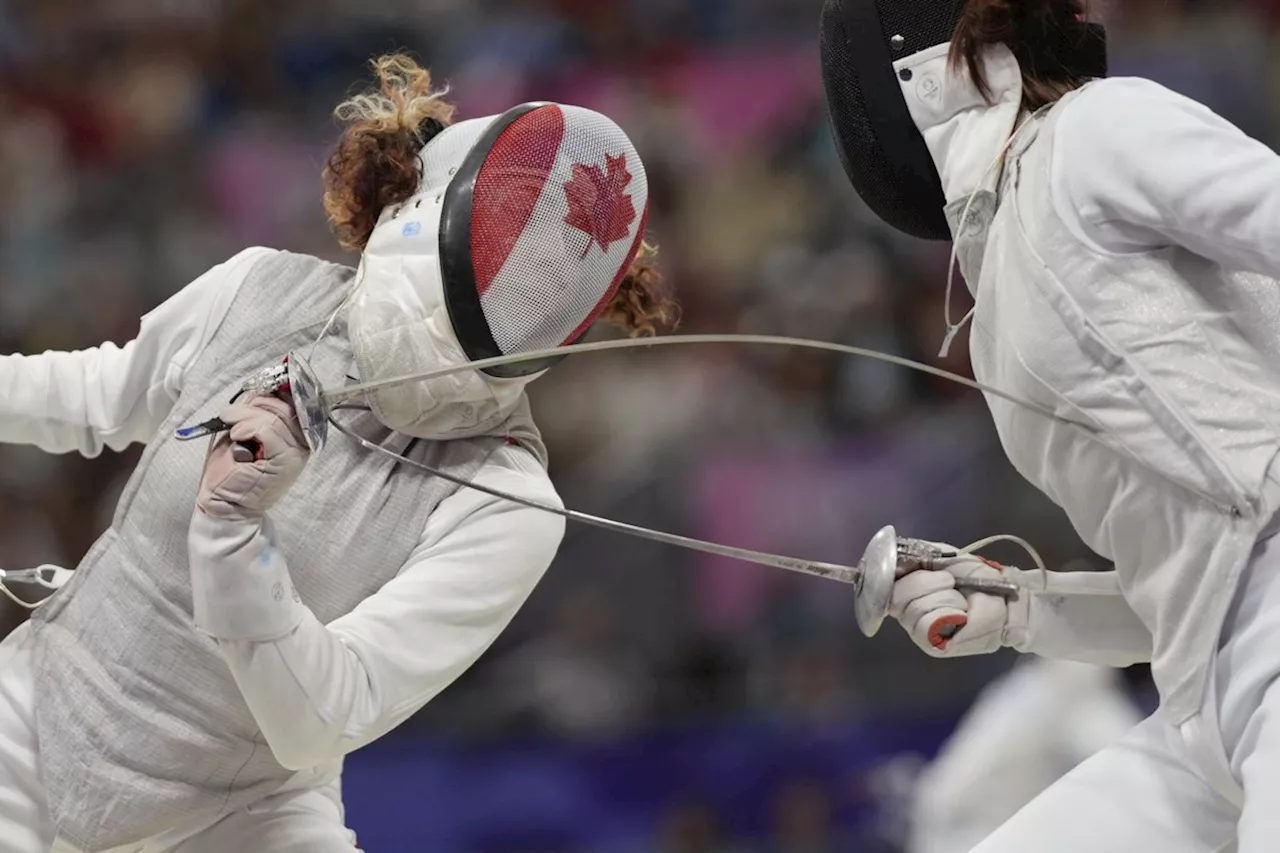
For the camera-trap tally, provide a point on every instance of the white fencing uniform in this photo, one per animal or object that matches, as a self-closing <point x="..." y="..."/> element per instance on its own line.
<point x="1025" y="732"/>
<point x="1182" y="789"/>
<point x="197" y="705"/>
<point x="1123" y="263"/>
<point x="306" y="817"/>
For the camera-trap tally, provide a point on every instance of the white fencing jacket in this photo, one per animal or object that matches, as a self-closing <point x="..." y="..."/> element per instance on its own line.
<point x="1122" y="259"/>
<point x="317" y="691"/>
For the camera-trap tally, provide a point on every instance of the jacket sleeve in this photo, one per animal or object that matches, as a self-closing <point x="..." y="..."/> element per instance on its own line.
<point x="110" y="396"/>
<point x="1082" y="616"/>
<point x="1137" y="168"/>
<point x="321" y="691"/>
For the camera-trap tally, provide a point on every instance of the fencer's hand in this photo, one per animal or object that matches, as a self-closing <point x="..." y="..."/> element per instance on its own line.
<point x="246" y="490"/>
<point x="946" y="623"/>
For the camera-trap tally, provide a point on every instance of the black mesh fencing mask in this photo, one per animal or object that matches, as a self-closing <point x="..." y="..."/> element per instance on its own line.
<point x="881" y="148"/>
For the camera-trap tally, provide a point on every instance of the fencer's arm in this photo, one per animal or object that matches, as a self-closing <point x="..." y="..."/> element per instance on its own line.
<point x="319" y="692"/>
<point x="1137" y="168"/>
<point x="1082" y="617"/>
<point x="111" y="396"/>
<point x="1077" y="616"/>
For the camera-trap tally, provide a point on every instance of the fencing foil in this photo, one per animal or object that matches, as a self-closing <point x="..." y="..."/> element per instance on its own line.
<point x="872" y="578"/>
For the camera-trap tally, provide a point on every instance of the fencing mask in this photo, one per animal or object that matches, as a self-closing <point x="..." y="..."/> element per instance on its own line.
<point x="880" y="146"/>
<point x="521" y="230"/>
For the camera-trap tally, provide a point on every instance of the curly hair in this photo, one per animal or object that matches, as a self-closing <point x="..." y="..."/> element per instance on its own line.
<point x="641" y="305"/>
<point x="375" y="164"/>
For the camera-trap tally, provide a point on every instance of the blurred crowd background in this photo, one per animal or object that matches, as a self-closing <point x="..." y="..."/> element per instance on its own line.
<point x="646" y="698"/>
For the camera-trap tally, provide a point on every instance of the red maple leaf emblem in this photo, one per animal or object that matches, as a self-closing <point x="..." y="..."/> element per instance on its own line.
<point x="597" y="203"/>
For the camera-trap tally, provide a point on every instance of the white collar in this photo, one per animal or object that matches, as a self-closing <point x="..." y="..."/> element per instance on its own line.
<point x="963" y="131"/>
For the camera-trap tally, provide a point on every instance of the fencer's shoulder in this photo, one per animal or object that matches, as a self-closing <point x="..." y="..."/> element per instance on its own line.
<point x="1123" y="92"/>
<point x="235" y="268"/>
<point x="257" y="257"/>
<point x="282" y="286"/>
<point x="238" y="266"/>
<point x="209" y="296"/>
<point x="484" y="521"/>
<point x="253" y="254"/>
<point x="1110" y="143"/>
<point x="1116" y="117"/>
<point x="518" y="471"/>
<point x="521" y="533"/>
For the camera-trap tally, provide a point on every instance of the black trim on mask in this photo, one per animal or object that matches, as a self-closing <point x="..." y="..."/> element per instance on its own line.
<point x="457" y="271"/>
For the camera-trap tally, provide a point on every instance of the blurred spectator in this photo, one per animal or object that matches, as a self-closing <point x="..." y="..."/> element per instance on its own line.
<point x="802" y="820"/>
<point x="815" y="690"/>
<point x="692" y="827"/>
<point x="580" y="681"/>
<point x="703" y="681"/>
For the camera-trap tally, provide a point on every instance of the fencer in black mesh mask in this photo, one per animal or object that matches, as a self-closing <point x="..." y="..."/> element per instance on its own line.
<point x="868" y="47"/>
<point x="1119" y="241"/>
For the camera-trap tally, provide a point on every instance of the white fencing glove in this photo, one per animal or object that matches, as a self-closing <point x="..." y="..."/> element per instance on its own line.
<point x="241" y="589"/>
<point x="946" y="623"/>
<point x="244" y="489"/>
<point x="1079" y="616"/>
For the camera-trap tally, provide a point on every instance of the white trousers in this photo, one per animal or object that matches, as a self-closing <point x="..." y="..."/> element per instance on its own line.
<point x="307" y="820"/>
<point x="1211" y="784"/>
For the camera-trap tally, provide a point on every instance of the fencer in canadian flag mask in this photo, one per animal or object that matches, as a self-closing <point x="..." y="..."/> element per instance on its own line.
<point x="258" y="610"/>
<point x="516" y="239"/>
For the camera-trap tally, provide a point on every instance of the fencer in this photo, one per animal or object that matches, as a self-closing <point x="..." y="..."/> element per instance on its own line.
<point x="1121" y="244"/>
<point x="243" y="625"/>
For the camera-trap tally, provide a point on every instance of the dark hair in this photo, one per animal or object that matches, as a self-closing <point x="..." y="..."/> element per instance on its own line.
<point x="375" y="164"/>
<point x="1035" y="30"/>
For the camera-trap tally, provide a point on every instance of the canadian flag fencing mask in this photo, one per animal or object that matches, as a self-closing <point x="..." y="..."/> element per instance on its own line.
<point x="522" y="228"/>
